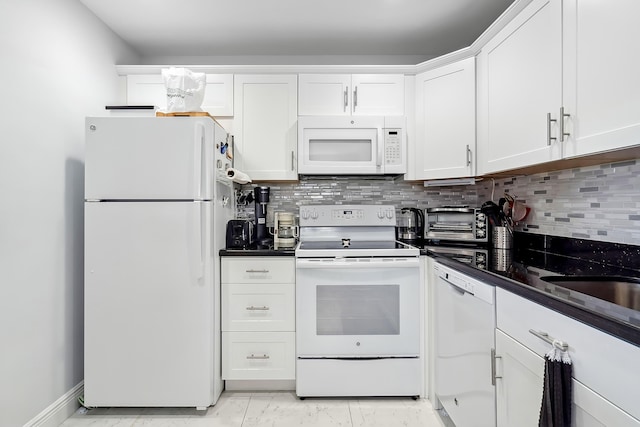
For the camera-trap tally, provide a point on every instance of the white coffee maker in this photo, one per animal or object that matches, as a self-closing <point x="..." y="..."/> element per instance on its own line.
<point x="285" y="230"/>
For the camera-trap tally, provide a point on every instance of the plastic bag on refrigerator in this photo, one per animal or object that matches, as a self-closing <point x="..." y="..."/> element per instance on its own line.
<point x="185" y="89"/>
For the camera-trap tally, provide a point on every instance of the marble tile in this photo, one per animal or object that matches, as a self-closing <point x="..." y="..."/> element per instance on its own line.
<point x="103" y="417"/>
<point x="269" y="409"/>
<point x="286" y="410"/>
<point x="393" y="412"/>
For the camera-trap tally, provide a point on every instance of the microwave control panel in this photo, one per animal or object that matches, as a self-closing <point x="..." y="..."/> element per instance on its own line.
<point x="393" y="146"/>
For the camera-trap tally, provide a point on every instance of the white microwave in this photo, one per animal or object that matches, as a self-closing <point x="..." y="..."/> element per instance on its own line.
<point x="337" y="145"/>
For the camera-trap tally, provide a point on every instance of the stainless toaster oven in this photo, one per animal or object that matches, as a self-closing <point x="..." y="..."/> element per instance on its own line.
<point x="456" y="224"/>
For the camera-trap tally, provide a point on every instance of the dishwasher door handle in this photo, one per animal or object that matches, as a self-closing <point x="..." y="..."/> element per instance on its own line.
<point x="455" y="287"/>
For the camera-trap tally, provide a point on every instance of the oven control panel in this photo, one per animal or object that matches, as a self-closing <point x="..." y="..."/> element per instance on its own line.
<point x="347" y="215"/>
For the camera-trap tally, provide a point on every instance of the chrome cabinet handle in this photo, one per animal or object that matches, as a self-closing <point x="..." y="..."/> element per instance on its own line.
<point x="468" y="155"/>
<point x="549" y="137"/>
<point x="560" y="345"/>
<point x="293" y="161"/>
<point x="355" y="98"/>
<point x="563" y="115"/>
<point x="493" y="366"/>
<point x="253" y="308"/>
<point x="346" y="98"/>
<point x="253" y="357"/>
<point x="257" y="271"/>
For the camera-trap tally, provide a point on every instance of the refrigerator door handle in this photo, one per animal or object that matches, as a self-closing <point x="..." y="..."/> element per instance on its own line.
<point x="196" y="243"/>
<point x="198" y="157"/>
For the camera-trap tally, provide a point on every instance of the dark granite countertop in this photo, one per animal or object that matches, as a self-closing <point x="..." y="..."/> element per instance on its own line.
<point x="530" y="262"/>
<point x="255" y="249"/>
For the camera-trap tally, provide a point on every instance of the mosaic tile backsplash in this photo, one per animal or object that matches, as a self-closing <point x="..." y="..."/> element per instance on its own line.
<point x="597" y="202"/>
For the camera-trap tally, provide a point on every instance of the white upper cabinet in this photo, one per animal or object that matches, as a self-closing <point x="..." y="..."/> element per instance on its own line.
<point x="346" y="94"/>
<point x="520" y="90"/>
<point x="265" y="123"/>
<point x="559" y="81"/>
<point x="445" y="140"/>
<point x="149" y="89"/>
<point x="602" y="68"/>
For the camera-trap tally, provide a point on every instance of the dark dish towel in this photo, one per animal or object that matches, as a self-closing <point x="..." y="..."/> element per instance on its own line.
<point x="556" y="395"/>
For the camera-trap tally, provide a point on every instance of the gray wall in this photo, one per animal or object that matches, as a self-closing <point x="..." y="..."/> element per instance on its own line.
<point x="57" y="67"/>
<point x="597" y="202"/>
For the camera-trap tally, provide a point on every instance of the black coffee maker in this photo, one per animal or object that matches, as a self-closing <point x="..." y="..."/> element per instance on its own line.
<point x="261" y="198"/>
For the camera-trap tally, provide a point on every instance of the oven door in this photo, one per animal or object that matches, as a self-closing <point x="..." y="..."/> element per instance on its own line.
<point x="357" y="307"/>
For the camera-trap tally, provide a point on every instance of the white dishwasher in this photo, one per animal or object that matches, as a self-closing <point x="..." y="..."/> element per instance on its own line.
<point x="464" y="347"/>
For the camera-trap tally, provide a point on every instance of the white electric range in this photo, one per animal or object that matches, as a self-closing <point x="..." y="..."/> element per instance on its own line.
<point x="358" y="294"/>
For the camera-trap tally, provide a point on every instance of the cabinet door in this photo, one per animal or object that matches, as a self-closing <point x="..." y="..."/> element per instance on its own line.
<point x="521" y="80"/>
<point x="266" y="114"/>
<point x="377" y="94"/>
<point x="519" y="384"/>
<point x="601" y="89"/>
<point x="146" y="89"/>
<point x="324" y="95"/>
<point x="446" y="121"/>
<point x="149" y="89"/>
<point x="589" y="409"/>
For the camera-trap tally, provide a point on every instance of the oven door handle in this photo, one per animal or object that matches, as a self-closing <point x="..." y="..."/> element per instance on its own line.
<point x="345" y="263"/>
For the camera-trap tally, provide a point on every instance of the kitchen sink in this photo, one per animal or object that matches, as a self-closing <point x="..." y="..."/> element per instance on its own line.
<point x="623" y="291"/>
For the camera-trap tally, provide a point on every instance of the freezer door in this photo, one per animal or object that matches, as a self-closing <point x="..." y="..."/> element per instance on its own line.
<point x="149" y="304"/>
<point x="149" y="158"/>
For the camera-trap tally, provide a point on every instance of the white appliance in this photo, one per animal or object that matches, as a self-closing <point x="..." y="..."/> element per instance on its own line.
<point x="337" y="145"/>
<point x="155" y="212"/>
<point x="358" y="296"/>
<point x="464" y="346"/>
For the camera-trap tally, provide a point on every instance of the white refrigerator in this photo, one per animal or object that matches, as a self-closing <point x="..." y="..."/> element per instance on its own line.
<point x="156" y="205"/>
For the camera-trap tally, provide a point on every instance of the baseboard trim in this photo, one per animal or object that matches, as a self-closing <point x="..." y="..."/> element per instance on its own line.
<point x="60" y="410"/>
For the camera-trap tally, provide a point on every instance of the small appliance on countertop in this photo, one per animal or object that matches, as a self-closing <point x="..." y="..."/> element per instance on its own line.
<point x="285" y="230"/>
<point x="410" y="225"/>
<point x="456" y="224"/>
<point x="261" y="197"/>
<point x="239" y="234"/>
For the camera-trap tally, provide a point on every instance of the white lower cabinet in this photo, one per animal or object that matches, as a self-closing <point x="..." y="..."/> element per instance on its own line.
<point x="519" y="383"/>
<point x="606" y="381"/>
<point x="258" y="318"/>
<point x="258" y="355"/>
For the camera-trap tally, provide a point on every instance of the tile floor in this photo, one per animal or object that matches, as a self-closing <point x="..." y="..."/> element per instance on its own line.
<point x="267" y="409"/>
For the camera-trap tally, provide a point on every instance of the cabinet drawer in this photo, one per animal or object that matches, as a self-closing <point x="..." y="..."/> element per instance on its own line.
<point x="258" y="307"/>
<point x="258" y="355"/>
<point x="258" y="270"/>
<point x="601" y="362"/>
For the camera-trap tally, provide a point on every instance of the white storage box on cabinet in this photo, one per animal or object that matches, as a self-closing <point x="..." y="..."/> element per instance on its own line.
<point x="258" y="318"/>
<point x="149" y="89"/>
<point x="605" y="373"/>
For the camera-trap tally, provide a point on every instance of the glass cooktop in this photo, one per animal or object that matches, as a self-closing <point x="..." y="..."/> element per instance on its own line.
<point x="336" y="245"/>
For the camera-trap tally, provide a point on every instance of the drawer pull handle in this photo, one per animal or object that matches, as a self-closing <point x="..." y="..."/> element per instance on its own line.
<point x="257" y="271"/>
<point x="253" y="308"/>
<point x="560" y="345"/>
<point x="253" y="357"/>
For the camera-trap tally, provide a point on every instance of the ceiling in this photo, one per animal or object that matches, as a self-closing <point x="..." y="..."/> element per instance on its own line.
<point x="424" y="28"/>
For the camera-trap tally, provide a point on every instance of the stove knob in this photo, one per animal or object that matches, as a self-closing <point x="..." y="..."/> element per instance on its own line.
<point x="480" y="233"/>
<point x="314" y="215"/>
<point x="480" y="224"/>
<point x="381" y="214"/>
<point x="305" y="215"/>
<point x="389" y="214"/>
